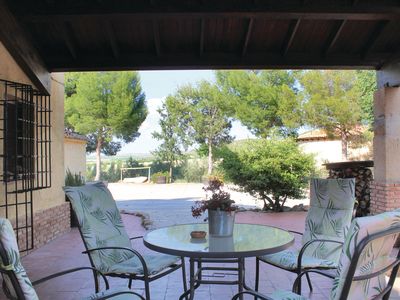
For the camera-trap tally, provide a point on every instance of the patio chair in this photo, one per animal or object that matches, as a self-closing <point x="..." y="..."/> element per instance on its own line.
<point x="365" y="259"/>
<point x="16" y="283"/>
<point x="107" y="244"/>
<point x="328" y="219"/>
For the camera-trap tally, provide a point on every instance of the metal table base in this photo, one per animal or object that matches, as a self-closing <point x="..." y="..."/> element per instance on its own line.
<point x="196" y="276"/>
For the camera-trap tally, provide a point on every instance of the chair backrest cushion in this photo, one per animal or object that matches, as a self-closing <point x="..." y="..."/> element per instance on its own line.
<point x="100" y="224"/>
<point x="329" y="217"/>
<point x="10" y="260"/>
<point x="374" y="257"/>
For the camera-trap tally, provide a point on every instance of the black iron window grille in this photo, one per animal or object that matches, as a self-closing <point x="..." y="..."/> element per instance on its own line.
<point x="25" y="155"/>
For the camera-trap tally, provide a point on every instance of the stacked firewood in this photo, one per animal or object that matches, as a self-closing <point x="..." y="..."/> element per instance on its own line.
<point x="364" y="177"/>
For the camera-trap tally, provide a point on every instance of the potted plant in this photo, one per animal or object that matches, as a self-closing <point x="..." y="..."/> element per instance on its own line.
<point x="160" y="177"/>
<point x="220" y="207"/>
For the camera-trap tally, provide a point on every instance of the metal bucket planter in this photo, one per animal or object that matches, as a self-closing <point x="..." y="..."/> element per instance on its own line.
<point x="220" y="223"/>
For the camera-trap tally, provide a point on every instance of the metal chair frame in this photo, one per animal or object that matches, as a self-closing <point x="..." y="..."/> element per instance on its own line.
<point x="146" y="277"/>
<point x="394" y="266"/>
<point x="20" y="294"/>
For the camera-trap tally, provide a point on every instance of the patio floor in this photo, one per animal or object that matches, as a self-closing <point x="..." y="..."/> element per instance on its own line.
<point x="65" y="252"/>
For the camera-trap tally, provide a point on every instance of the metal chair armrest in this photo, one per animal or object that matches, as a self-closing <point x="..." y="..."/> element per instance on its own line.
<point x="325" y="273"/>
<point x="254" y="293"/>
<point x="39" y="281"/>
<point x="120" y="293"/>
<point x="303" y="249"/>
<point x="136" y="237"/>
<point x="296" y="232"/>
<point x="141" y="259"/>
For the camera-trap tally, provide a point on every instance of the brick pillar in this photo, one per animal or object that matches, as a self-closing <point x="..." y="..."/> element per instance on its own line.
<point x="385" y="189"/>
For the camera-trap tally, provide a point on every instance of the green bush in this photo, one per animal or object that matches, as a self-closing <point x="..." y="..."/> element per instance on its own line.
<point x="271" y="170"/>
<point x="194" y="170"/>
<point x="74" y="179"/>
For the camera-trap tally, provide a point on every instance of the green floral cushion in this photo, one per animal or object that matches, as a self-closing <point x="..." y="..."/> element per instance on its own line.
<point x="10" y="246"/>
<point x="329" y="217"/>
<point x="113" y="291"/>
<point x="374" y="256"/>
<point x="154" y="263"/>
<point x="101" y="226"/>
<point x="286" y="295"/>
<point x="100" y="223"/>
<point x="288" y="260"/>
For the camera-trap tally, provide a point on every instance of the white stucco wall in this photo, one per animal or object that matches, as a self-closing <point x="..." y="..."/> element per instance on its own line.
<point x="75" y="156"/>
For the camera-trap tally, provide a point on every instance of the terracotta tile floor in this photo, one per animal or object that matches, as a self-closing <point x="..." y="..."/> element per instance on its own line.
<point x="65" y="252"/>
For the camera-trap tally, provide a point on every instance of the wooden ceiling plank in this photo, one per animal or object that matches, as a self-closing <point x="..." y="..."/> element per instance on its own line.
<point x="379" y="28"/>
<point x="21" y="49"/>
<point x="202" y="28"/>
<point x="156" y="35"/>
<point x="69" y="42"/>
<point x="247" y="38"/>
<point x="112" y="39"/>
<point x="335" y="37"/>
<point x="294" y="26"/>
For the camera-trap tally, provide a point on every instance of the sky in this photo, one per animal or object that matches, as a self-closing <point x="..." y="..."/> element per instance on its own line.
<point x="157" y="85"/>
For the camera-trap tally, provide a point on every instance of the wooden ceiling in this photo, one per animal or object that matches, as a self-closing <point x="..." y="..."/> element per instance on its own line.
<point x="76" y="35"/>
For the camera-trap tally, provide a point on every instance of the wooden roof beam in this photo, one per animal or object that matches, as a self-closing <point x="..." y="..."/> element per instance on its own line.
<point x="379" y="28"/>
<point x="21" y="49"/>
<point x="112" y="39"/>
<point x="202" y="28"/>
<point x="156" y="35"/>
<point x="69" y="42"/>
<point x="334" y="37"/>
<point x="248" y="35"/>
<point x="294" y="26"/>
<point x="312" y="11"/>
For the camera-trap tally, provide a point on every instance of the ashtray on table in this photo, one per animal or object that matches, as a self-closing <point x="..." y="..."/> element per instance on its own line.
<point x="198" y="234"/>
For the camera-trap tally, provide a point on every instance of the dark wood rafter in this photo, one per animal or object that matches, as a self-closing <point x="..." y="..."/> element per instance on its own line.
<point x="218" y="61"/>
<point x="112" y="39"/>
<point x="202" y="29"/>
<point x="334" y="37"/>
<point x="379" y="28"/>
<point x="156" y="35"/>
<point x="294" y="26"/>
<point x="247" y="37"/>
<point x="272" y="11"/>
<point x="21" y="49"/>
<point x="68" y="39"/>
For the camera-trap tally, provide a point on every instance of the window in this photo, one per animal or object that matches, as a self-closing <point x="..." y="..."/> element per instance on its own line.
<point x="19" y="139"/>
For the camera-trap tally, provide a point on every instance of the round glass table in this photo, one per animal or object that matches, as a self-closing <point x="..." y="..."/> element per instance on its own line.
<point x="248" y="240"/>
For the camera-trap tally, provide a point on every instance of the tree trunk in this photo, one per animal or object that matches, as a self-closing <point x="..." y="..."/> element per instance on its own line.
<point x="98" y="159"/>
<point x="170" y="172"/>
<point x="210" y="158"/>
<point x="343" y="137"/>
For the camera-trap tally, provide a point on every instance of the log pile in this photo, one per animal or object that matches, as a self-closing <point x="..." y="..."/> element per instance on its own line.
<point x="363" y="176"/>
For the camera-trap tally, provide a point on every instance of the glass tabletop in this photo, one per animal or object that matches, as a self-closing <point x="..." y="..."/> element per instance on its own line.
<point x="247" y="240"/>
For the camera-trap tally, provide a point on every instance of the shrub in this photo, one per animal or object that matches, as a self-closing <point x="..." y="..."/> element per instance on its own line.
<point x="271" y="170"/>
<point x="194" y="169"/>
<point x="74" y="179"/>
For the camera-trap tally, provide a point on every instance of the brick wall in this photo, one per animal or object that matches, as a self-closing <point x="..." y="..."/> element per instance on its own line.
<point x="384" y="197"/>
<point x="50" y="223"/>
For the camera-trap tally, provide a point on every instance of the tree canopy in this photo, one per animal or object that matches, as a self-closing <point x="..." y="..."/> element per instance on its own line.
<point x="331" y="101"/>
<point x="201" y="115"/>
<point x="105" y="106"/>
<point x="264" y="101"/>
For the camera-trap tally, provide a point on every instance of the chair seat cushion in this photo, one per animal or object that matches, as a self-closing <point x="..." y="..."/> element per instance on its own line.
<point x="288" y="260"/>
<point x="124" y="295"/>
<point x="286" y="295"/>
<point x="155" y="264"/>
